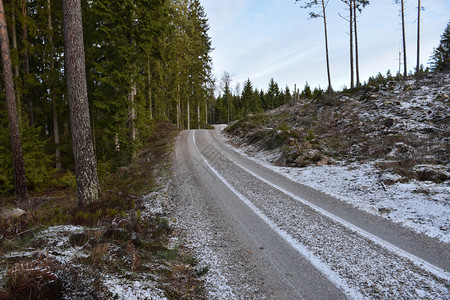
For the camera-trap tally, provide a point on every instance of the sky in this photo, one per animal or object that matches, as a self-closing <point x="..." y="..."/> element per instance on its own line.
<point x="264" y="39"/>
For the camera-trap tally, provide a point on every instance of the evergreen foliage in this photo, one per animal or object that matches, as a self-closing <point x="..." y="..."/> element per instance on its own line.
<point x="146" y="60"/>
<point x="440" y="59"/>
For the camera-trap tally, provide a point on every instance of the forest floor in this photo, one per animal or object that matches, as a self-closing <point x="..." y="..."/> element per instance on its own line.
<point x="121" y="247"/>
<point x="382" y="149"/>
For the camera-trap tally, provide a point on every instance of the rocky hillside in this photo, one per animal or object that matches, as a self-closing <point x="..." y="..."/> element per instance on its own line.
<point x="403" y="126"/>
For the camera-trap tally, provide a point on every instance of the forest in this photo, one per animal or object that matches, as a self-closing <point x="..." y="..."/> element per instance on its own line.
<point x="146" y="61"/>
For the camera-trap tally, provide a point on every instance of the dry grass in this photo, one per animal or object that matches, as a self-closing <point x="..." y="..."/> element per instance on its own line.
<point x="119" y="239"/>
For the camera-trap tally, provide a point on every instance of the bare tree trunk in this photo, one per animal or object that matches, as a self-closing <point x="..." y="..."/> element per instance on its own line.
<point x="26" y="60"/>
<point x="405" y="67"/>
<point x="14" y="35"/>
<point x="358" y="83"/>
<point x="188" y="116"/>
<point x="228" y="98"/>
<point x="150" y="102"/>
<point x="206" y="112"/>
<point x="418" y="37"/>
<point x="54" y="109"/>
<point x="16" y="63"/>
<point x="20" y="186"/>
<point x="198" y="116"/>
<point x="178" y="96"/>
<point x="352" y="82"/>
<point x="330" y="89"/>
<point x="178" y="107"/>
<point x="131" y="97"/>
<point x="85" y="162"/>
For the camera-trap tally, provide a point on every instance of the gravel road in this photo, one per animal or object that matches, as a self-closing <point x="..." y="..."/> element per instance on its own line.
<point x="262" y="236"/>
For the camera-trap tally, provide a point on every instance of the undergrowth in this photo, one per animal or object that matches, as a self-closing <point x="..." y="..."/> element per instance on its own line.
<point x="118" y="237"/>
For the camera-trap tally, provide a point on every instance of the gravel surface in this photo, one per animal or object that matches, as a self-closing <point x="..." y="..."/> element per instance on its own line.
<point x="366" y="269"/>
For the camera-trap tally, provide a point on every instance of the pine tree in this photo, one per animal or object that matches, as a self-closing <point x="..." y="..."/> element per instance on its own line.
<point x="402" y="14"/>
<point x="85" y="162"/>
<point x="419" y="9"/>
<point x="322" y="4"/>
<point x="16" y="144"/>
<point x="358" y="5"/>
<point x="440" y="59"/>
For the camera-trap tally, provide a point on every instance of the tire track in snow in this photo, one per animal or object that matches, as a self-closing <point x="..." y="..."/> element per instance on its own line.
<point x="302" y="250"/>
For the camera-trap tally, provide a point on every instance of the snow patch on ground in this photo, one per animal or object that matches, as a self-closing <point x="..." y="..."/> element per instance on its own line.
<point x="125" y="289"/>
<point x="421" y="206"/>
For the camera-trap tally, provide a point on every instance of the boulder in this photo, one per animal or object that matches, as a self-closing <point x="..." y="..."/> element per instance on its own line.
<point x="9" y="213"/>
<point x="434" y="173"/>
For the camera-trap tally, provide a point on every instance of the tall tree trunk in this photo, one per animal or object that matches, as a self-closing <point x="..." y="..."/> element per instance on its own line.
<point x="198" y="116"/>
<point x="14" y="37"/>
<point x="26" y="60"/>
<point x="85" y="163"/>
<point x="358" y="83"/>
<point x="16" y="60"/>
<point x="178" y="94"/>
<point x="330" y="89"/>
<point x="150" y="101"/>
<point x="131" y="97"/>
<point x="405" y="67"/>
<point x="418" y="37"/>
<point x="188" y="115"/>
<point x="53" y="100"/>
<point x="178" y="106"/>
<point x="228" y="98"/>
<point x="206" y="112"/>
<point x="352" y="82"/>
<point x="20" y="186"/>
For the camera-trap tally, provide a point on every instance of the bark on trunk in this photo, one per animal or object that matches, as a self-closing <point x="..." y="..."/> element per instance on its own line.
<point x="405" y="67"/>
<point x="52" y="98"/>
<point x="358" y="82"/>
<point x="418" y="37"/>
<point x="150" y="101"/>
<point x="178" y="107"/>
<point x="352" y="82"/>
<point x="26" y="61"/>
<point x="85" y="163"/>
<point x="198" y="116"/>
<point x="14" y="37"/>
<point x="188" y="116"/>
<point x="131" y="97"/>
<point x="16" y="145"/>
<point x="16" y="59"/>
<point x="330" y="89"/>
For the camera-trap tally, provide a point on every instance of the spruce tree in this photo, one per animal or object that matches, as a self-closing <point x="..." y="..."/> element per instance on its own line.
<point x="440" y="59"/>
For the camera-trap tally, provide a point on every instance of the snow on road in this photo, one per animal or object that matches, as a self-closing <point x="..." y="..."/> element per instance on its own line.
<point x="421" y="206"/>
